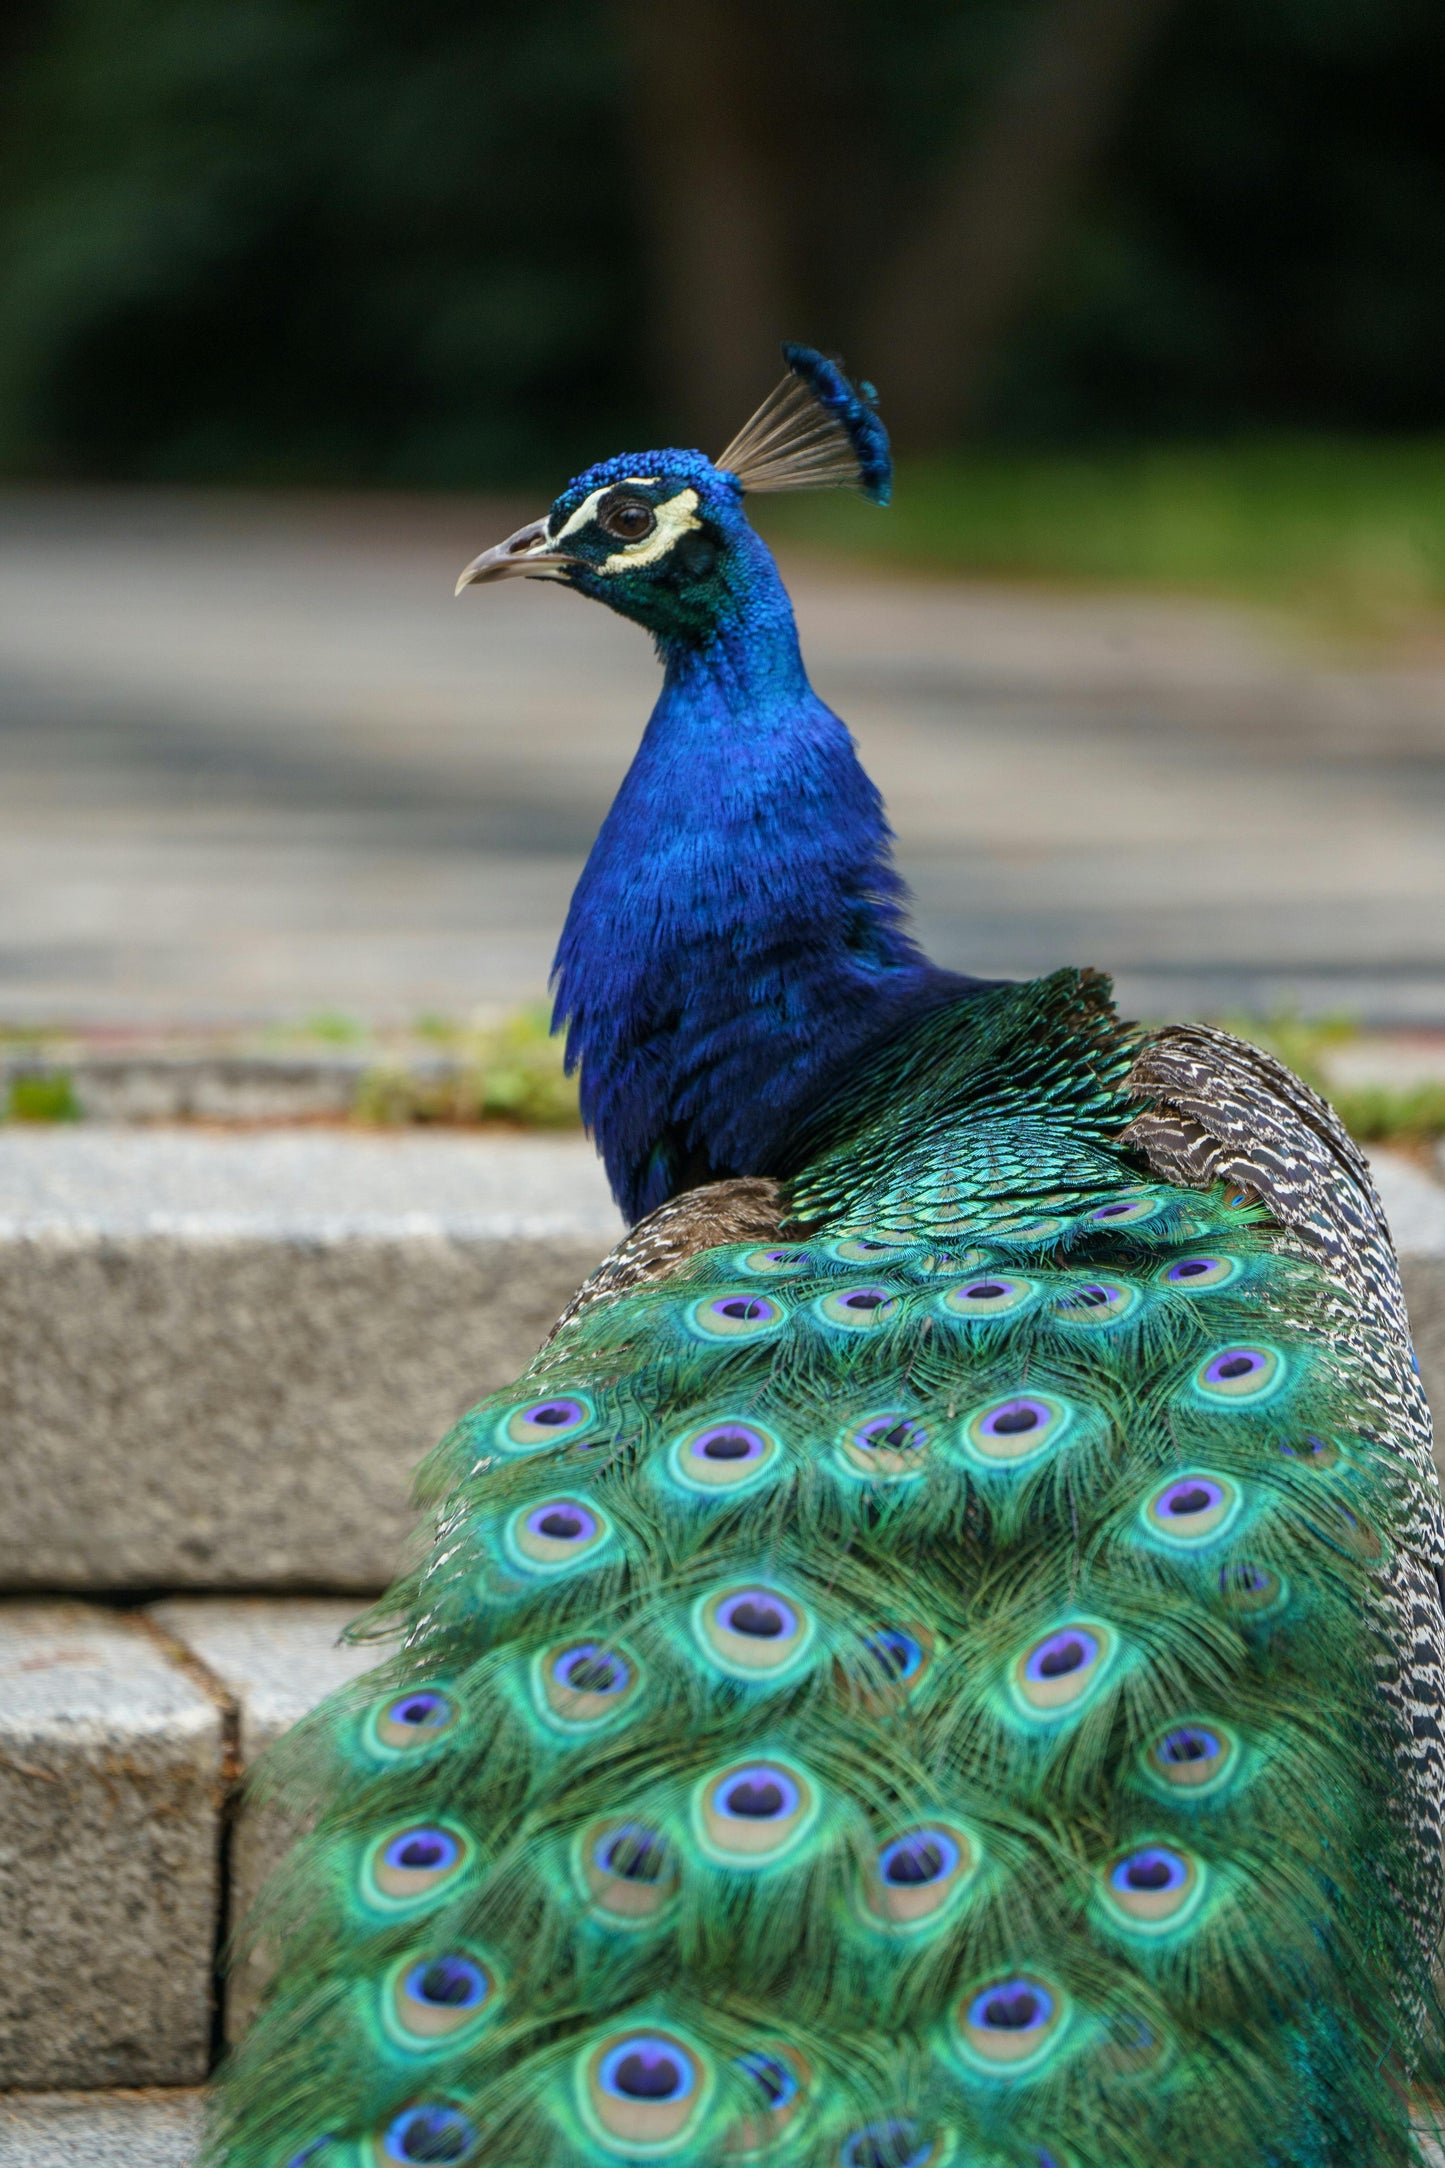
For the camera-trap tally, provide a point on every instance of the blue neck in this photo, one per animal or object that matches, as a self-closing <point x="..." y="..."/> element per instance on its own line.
<point x="737" y="934"/>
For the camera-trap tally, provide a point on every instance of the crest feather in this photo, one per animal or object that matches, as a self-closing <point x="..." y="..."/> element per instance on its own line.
<point x="815" y="430"/>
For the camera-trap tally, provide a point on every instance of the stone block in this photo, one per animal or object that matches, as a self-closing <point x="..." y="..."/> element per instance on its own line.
<point x="273" y="1660"/>
<point x="1424" y="1283"/>
<point x="1414" y="1203"/>
<point x="111" y="1772"/>
<point x="100" y="2130"/>
<point x="1415" y="1207"/>
<point x="222" y="1356"/>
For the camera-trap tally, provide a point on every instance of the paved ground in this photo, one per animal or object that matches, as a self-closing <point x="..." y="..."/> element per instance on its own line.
<point x="256" y="763"/>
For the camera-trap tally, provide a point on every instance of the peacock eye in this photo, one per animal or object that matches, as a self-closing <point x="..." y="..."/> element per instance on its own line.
<point x="628" y="518"/>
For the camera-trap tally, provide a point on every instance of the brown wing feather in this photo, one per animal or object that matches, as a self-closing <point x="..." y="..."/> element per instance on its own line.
<point x="746" y="1209"/>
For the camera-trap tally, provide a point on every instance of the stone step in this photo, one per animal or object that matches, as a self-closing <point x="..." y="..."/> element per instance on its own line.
<point x="1414" y="1201"/>
<point x="112" y="1772"/>
<point x="223" y="1354"/>
<point x="127" y="1850"/>
<point x="144" y="1086"/>
<point x="269" y="1661"/>
<point x="152" y="2129"/>
<point x="142" y="1077"/>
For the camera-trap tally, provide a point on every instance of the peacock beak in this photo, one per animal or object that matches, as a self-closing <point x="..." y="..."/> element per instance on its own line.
<point x="527" y="554"/>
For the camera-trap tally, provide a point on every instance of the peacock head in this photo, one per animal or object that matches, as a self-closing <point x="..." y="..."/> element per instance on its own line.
<point x="663" y="537"/>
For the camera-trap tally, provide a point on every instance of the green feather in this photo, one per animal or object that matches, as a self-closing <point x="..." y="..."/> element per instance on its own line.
<point x="974" y="1759"/>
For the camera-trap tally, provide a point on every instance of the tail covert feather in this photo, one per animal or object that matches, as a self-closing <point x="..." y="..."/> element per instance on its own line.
<point x="902" y="1691"/>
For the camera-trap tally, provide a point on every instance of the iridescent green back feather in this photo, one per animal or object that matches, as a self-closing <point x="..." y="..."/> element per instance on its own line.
<point x="900" y="1695"/>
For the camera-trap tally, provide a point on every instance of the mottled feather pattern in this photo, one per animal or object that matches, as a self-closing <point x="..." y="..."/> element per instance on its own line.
<point x="1227" y="1111"/>
<point x="746" y="1207"/>
<point x="1222" y="1110"/>
<point x="908" y="1682"/>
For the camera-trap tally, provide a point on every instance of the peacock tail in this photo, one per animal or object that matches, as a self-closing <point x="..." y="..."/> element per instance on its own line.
<point x="941" y="1675"/>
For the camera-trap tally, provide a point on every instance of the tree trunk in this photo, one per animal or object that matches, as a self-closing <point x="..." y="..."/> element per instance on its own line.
<point x="960" y="281"/>
<point x="716" y="204"/>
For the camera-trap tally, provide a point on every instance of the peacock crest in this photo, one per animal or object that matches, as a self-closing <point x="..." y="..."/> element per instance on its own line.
<point x="814" y="430"/>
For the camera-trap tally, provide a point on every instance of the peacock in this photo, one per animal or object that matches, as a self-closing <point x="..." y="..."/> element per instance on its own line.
<point x="937" y="1662"/>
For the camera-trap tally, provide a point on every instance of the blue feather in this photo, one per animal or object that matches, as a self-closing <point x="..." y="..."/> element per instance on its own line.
<point x="737" y="936"/>
<point x="855" y="409"/>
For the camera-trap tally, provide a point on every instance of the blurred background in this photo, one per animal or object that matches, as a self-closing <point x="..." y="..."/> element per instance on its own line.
<point x="303" y="302"/>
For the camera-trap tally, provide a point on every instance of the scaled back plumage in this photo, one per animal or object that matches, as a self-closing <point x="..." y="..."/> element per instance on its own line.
<point x="932" y="1666"/>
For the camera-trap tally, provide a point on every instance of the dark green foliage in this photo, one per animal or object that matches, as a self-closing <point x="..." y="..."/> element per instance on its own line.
<point x="301" y="240"/>
<point x="42" y="1095"/>
<point x="1262" y="251"/>
<point x="508" y="1072"/>
<point x="292" y="241"/>
<point x="1348" y="533"/>
<point x="1044" y="1565"/>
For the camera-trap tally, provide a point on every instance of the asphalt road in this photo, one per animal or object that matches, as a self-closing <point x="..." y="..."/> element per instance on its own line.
<point x="256" y="763"/>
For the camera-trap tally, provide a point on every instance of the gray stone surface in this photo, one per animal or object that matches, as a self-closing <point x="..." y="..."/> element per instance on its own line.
<point x="111" y="1762"/>
<point x="155" y="1087"/>
<point x="301" y="1185"/>
<point x="274" y="1661"/>
<point x="273" y="1658"/>
<point x="1415" y="1207"/>
<point x="100" y="2130"/>
<point x="222" y="1357"/>
<point x="1391" y="1061"/>
<point x="1414" y="1204"/>
<point x="1424" y="1282"/>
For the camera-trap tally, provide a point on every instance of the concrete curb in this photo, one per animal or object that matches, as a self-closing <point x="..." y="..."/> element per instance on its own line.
<point x="182" y="1088"/>
<point x="112" y="1769"/>
<point x="1415" y="1207"/>
<point x="128" y="1851"/>
<point x="100" y="2130"/>
<point x="272" y="1662"/>
<point x="223" y="1356"/>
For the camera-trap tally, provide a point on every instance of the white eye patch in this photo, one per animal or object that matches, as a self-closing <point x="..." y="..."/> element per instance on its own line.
<point x="586" y="510"/>
<point x="674" y="517"/>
